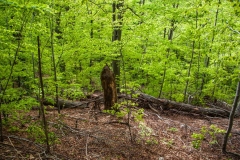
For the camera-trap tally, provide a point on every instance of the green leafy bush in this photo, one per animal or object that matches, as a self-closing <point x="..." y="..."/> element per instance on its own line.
<point x="37" y="133"/>
<point x="213" y="131"/>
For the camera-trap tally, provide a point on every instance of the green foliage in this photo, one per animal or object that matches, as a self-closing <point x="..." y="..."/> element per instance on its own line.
<point x="144" y="130"/>
<point x="14" y="129"/>
<point x="151" y="141"/>
<point x="73" y="94"/>
<point x="37" y="133"/>
<point x="198" y="138"/>
<point x="138" y="115"/>
<point x="173" y="129"/>
<point x="201" y="57"/>
<point x="146" y="134"/>
<point x="213" y="131"/>
<point x="120" y="110"/>
<point x="116" y="111"/>
<point x="168" y="142"/>
<point x="85" y="46"/>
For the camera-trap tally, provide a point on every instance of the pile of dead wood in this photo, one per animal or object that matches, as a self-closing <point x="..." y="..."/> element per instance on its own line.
<point x="147" y="101"/>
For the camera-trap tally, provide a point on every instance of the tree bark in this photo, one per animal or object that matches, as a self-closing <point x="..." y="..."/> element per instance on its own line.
<point x="231" y="118"/>
<point x="163" y="104"/>
<point x="109" y="87"/>
<point x="42" y="97"/>
<point x="117" y="18"/>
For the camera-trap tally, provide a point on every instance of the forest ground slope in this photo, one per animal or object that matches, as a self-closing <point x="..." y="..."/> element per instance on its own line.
<point x="89" y="134"/>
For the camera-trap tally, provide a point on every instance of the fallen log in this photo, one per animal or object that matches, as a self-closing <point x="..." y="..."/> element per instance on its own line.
<point x="163" y="104"/>
<point x="66" y="103"/>
<point x="81" y="104"/>
<point x="146" y="101"/>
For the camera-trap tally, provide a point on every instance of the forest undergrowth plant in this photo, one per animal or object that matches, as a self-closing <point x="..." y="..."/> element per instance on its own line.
<point x="36" y="132"/>
<point x="173" y="129"/>
<point x="72" y="92"/>
<point x="122" y="109"/>
<point x="213" y="131"/>
<point x="16" y="109"/>
<point x="168" y="142"/>
<point x="145" y="133"/>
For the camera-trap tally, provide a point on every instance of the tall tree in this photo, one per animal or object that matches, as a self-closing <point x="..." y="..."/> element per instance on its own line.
<point x="191" y="59"/>
<point x="53" y="54"/>
<point x="44" y="120"/>
<point x="231" y="117"/>
<point x="170" y="38"/>
<point x="117" y="20"/>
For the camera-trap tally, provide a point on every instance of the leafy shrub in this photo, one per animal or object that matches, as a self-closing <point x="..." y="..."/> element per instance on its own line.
<point x="213" y="131"/>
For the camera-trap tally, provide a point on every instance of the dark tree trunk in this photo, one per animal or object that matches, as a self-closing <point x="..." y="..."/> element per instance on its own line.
<point x="224" y="146"/>
<point x="109" y="87"/>
<point x="117" y="18"/>
<point x="42" y="97"/>
<point x="1" y="125"/>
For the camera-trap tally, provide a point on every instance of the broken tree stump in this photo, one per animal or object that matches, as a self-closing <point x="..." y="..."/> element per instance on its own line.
<point x="109" y="87"/>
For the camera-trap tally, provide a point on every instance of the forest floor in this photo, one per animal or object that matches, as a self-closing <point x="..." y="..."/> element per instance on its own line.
<point x="85" y="133"/>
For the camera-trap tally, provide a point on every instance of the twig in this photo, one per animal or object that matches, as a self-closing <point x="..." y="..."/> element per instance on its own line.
<point x="181" y="140"/>
<point x="74" y="130"/>
<point x="39" y="156"/>
<point x="86" y="150"/>
<point x="134" y="12"/>
<point x="24" y="139"/>
<point x="158" y="116"/>
<point x="233" y="30"/>
<point x="235" y="155"/>
<point x="153" y="109"/>
<point x="15" y="148"/>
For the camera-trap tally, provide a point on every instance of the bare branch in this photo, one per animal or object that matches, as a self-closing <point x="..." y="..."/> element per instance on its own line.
<point x="233" y="30"/>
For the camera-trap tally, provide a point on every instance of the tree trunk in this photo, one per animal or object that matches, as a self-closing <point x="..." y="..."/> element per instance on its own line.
<point x="210" y="50"/>
<point x="109" y="87"/>
<point x="117" y="19"/>
<point x="231" y="118"/>
<point x="42" y="97"/>
<point x="53" y="59"/>
<point x="237" y="113"/>
<point x="170" y="38"/>
<point x="191" y="61"/>
<point x="1" y="125"/>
